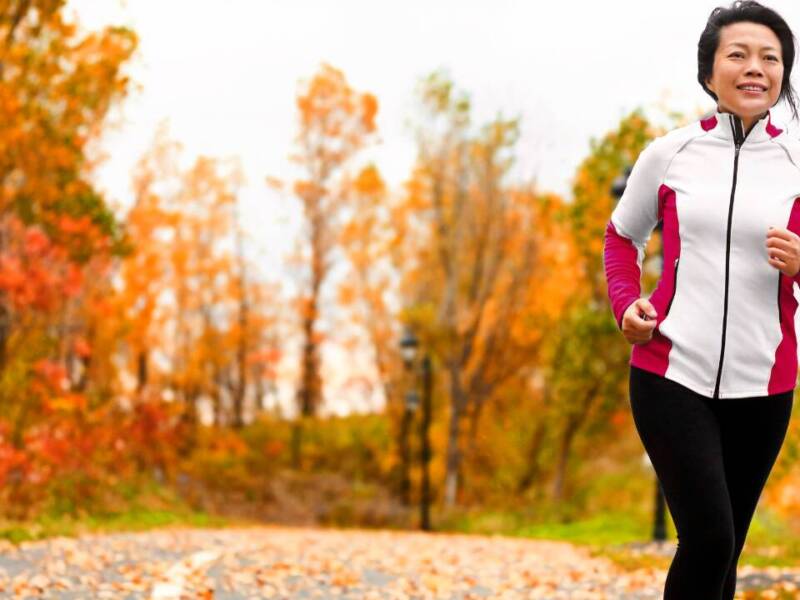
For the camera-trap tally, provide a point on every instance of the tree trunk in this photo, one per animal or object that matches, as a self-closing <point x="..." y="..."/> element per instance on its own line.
<point x="453" y="463"/>
<point x="141" y="371"/>
<point x="216" y="397"/>
<point x="533" y="469"/>
<point x="257" y="373"/>
<point x="309" y="393"/>
<point x="405" y="458"/>
<point x="563" y="458"/>
<point x="309" y="390"/>
<point x="574" y="422"/>
<point x="241" y="351"/>
<point x="297" y="436"/>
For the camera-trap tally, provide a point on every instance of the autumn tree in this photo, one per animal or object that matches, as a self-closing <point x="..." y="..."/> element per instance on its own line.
<point x="58" y="241"/>
<point x="145" y="271"/>
<point x="56" y="87"/>
<point x="367" y="237"/>
<point x="367" y="301"/>
<point x="335" y="123"/>
<point x="585" y="384"/>
<point x="473" y="262"/>
<point x="186" y="298"/>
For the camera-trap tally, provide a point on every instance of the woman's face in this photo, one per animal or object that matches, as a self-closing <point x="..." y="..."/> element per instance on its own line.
<point x="748" y="70"/>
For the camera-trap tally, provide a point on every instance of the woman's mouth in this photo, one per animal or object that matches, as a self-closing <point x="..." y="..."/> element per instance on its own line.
<point x="752" y="89"/>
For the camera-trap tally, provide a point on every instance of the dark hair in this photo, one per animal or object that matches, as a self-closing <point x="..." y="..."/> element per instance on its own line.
<point x="753" y="12"/>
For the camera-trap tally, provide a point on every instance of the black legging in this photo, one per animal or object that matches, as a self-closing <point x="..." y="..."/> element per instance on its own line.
<point x="713" y="457"/>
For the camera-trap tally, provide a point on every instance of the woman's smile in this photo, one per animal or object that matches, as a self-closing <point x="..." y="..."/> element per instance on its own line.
<point x="753" y="89"/>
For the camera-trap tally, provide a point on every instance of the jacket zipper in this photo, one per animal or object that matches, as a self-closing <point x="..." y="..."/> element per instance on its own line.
<point x="674" y="286"/>
<point x="780" y="316"/>
<point x="738" y="140"/>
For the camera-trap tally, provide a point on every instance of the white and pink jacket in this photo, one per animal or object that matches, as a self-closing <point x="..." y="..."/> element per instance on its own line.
<point x="725" y="325"/>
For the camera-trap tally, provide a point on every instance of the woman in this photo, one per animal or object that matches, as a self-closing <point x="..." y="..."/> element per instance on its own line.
<point x="714" y="357"/>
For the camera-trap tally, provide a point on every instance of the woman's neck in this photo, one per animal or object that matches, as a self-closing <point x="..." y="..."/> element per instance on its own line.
<point x="747" y="122"/>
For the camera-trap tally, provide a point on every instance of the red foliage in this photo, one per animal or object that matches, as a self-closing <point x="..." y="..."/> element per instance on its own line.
<point x="35" y="272"/>
<point x="52" y="374"/>
<point x="274" y="448"/>
<point x="82" y="347"/>
<point x="11" y="458"/>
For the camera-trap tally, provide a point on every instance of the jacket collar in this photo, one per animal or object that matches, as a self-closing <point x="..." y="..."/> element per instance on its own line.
<point x="729" y="127"/>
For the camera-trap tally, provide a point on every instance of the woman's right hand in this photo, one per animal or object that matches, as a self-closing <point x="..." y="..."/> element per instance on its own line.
<point x="639" y="321"/>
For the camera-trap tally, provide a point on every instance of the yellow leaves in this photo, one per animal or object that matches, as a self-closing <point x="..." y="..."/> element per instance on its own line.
<point x="369" y="182"/>
<point x="348" y="293"/>
<point x="67" y="403"/>
<point x="335" y="122"/>
<point x="369" y="108"/>
<point x="308" y="191"/>
<point x="326" y="93"/>
<point x="183" y="286"/>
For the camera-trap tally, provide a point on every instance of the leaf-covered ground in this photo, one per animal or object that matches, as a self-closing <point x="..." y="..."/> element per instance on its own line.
<point x="295" y="563"/>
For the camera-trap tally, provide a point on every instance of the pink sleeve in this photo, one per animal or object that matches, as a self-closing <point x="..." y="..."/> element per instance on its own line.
<point x="794" y="225"/>
<point x="631" y="223"/>
<point x="620" y="259"/>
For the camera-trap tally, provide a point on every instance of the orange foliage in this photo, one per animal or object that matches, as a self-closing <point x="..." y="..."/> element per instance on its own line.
<point x="486" y="268"/>
<point x="335" y="123"/>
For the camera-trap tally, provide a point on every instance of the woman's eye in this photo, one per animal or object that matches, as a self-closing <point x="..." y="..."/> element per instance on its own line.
<point x="775" y="58"/>
<point x="736" y="54"/>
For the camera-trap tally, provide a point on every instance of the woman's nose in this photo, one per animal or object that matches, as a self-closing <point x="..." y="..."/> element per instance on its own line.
<point x="754" y="67"/>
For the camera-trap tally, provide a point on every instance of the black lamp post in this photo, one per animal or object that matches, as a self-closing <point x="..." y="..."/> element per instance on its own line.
<point x="660" y="510"/>
<point x="411" y="401"/>
<point x="409" y="346"/>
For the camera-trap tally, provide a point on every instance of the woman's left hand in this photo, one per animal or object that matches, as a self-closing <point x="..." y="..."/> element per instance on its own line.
<point x="783" y="247"/>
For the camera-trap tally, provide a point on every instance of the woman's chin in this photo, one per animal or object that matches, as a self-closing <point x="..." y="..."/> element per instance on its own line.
<point x="748" y="110"/>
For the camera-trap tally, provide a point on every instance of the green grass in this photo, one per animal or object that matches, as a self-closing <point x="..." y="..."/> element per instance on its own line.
<point x="138" y="508"/>
<point x="132" y="520"/>
<point x="553" y="523"/>
<point x="770" y="541"/>
<point x="600" y="530"/>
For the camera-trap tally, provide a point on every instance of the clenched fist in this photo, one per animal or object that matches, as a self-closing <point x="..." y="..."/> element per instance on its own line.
<point x="783" y="248"/>
<point x="639" y="321"/>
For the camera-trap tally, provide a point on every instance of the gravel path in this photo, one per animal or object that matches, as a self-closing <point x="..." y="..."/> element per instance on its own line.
<point x="298" y="563"/>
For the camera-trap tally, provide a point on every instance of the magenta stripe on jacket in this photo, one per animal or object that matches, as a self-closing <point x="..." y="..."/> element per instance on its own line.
<point x="784" y="370"/>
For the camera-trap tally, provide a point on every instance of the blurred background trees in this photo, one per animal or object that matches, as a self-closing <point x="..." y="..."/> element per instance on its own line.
<point x="144" y="344"/>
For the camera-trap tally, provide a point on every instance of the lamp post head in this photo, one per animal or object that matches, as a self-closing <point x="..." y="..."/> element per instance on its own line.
<point x="408" y="347"/>
<point x="619" y="183"/>
<point x="412" y="400"/>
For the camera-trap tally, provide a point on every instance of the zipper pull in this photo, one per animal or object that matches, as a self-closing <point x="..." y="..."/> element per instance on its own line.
<point x="738" y="131"/>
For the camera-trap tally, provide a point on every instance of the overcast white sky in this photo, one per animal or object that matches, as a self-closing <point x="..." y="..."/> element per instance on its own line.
<point x="225" y="75"/>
